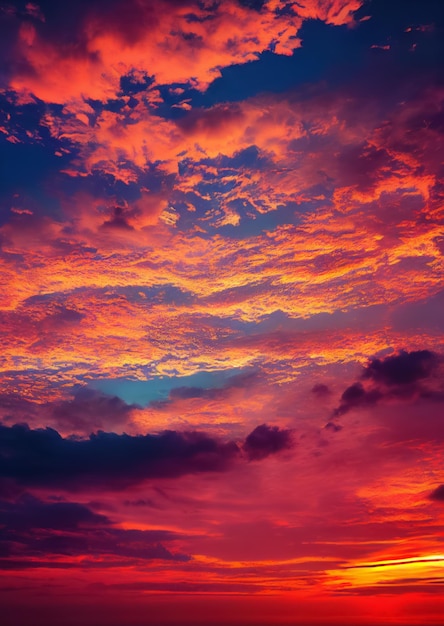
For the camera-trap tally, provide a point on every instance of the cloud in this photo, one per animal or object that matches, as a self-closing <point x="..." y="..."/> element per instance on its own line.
<point x="320" y="390"/>
<point x="357" y="396"/>
<point x="332" y="12"/>
<point x="404" y="368"/>
<point x="39" y="529"/>
<point x="398" y="377"/>
<point x="266" y="440"/>
<point x="90" y="410"/>
<point x="42" y="458"/>
<point x="308" y="145"/>
<point x="118" y="220"/>
<point x="31" y="513"/>
<point x="438" y="494"/>
<point x="85" y="50"/>
<point x="230" y="386"/>
<point x="85" y="411"/>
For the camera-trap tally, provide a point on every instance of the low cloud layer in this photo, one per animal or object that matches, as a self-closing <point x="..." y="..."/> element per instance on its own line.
<point x="34" y="529"/>
<point x="43" y="458"/>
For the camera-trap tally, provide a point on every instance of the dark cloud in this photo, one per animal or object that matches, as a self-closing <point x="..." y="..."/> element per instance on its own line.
<point x="64" y="24"/>
<point x="357" y="396"/>
<point x="31" y="513"/>
<point x="396" y="377"/>
<point x="186" y="586"/>
<point x="63" y="316"/>
<point x="140" y="502"/>
<point x="119" y="543"/>
<point x="354" y="394"/>
<point x="185" y="392"/>
<point x="87" y="411"/>
<point x="320" y="390"/>
<point x="34" y="528"/>
<point x="42" y="458"/>
<point x="438" y="494"/>
<point x="91" y="410"/>
<point x="118" y="221"/>
<point x="402" y="369"/>
<point x="333" y="427"/>
<point x="212" y="120"/>
<point x="265" y="440"/>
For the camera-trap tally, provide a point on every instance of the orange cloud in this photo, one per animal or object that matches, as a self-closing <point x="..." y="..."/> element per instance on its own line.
<point x="187" y="42"/>
<point x="108" y="42"/>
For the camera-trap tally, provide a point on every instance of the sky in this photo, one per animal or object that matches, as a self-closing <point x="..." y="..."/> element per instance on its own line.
<point x="221" y="312"/>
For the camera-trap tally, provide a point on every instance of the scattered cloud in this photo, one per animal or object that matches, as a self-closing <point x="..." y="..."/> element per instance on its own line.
<point x="405" y="368"/>
<point x="265" y="440"/>
<point x="396" y="378"/>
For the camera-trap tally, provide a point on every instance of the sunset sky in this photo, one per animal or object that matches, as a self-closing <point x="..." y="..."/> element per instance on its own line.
<point x="222" y="312"/>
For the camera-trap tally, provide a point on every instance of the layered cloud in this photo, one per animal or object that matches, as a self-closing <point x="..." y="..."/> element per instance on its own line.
<point x="221" y="377"/>
<point x="39" y="533"/>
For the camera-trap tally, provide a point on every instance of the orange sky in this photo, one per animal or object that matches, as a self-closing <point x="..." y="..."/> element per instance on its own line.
<point x="221" y="382"/>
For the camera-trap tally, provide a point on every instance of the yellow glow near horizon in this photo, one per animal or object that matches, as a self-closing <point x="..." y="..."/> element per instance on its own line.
<point x="406" y="571"/>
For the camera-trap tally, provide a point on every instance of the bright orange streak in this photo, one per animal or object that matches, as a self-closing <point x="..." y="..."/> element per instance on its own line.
<point x="390" y="562"/>
<point x="407" y="571"/>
